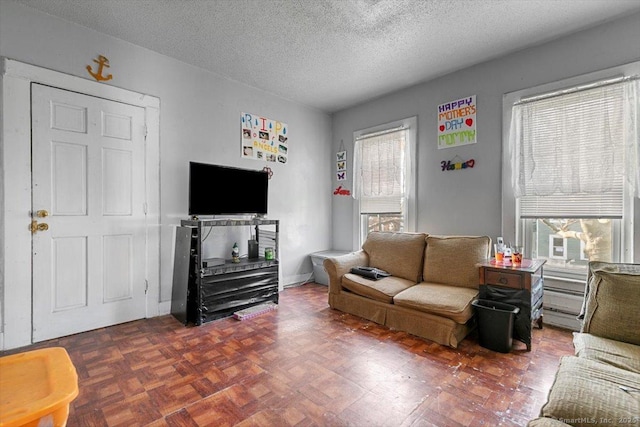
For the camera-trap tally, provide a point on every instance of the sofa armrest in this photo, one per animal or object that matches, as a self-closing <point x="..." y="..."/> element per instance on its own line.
<point x="337" y="267"/>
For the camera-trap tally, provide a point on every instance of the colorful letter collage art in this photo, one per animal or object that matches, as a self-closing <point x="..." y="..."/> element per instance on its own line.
<point x="264" y="139"/>
<point x="457" y="123"/>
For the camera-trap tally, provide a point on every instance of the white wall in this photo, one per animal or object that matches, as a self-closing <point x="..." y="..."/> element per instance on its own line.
<point x="199" y="120"/>
<point x="469" y="201"/>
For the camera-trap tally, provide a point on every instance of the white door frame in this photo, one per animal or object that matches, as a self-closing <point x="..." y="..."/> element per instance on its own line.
<point x="15" y="190"/>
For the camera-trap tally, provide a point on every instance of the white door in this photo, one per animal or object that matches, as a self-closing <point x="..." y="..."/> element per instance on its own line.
<point x="88" y="187"/>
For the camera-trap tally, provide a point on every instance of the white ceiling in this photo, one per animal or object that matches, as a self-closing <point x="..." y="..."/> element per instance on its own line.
<point x="332" y="54"/>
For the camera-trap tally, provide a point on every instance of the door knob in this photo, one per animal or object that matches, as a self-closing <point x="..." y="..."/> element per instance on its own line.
<point x="35" y="227"/>
<point x="43" y="213"/>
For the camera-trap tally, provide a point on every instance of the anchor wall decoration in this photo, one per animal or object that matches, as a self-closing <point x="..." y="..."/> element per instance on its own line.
<point x="102" y="63"/>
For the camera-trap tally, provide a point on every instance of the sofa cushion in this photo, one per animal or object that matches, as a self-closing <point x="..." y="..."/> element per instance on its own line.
<point x="397" y="253"/>
<point x="611" y="308"/>
<point x="615" y="353"/>
<point x="380" y="290"/>
<point x="452" y="302"/>
<point x="604" y="266"/>
<point x="584" y="390"/>
<point x="546" y="422"/>
<point x="453" y="260"/>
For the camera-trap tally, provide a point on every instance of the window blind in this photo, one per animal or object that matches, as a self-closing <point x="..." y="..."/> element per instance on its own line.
<point x="606" y="205"/>
<point x="380" y="171"/>
<point x="569" y="154"/>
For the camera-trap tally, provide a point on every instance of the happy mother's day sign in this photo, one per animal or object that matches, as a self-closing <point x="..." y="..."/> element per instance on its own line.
<point x="457" y="123"/>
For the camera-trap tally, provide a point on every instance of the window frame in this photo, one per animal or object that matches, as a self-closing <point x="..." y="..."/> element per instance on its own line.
<point x="626" y="232"/>
<point x="409" y="202"/>
<point x="552" y="246"/>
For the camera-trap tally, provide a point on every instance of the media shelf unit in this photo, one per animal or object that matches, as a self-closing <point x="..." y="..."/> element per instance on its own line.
<point x="201" y="294"/>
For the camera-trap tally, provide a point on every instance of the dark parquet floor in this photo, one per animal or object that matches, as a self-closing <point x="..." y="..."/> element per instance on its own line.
<point x="303" y="364"/>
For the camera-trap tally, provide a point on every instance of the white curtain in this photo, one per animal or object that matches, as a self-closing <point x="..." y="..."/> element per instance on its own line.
<point x="380" y="170"/>
<point x="632" y="135"/>
<point x="577" y="144"/>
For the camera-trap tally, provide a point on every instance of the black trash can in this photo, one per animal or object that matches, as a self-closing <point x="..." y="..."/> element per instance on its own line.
<point x="495" y="324"/>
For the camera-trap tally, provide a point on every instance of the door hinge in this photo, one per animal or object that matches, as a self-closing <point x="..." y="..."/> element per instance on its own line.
<point x="146" y="285"/>
<point x="144" y="207"/>
<point x="146" y="132"/>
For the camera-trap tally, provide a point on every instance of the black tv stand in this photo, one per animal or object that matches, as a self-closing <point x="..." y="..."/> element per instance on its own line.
<point x="201" y="294"/>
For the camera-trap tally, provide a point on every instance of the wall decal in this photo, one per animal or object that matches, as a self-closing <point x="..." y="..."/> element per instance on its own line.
<point x="103" y="63"/>
<point x="341" y="159"/>
<point x="264" y="139"/>
<point x="450" y="165"/>
<point x="457" y="123"/>
<point x="268" y="170"/>
<point x="341" y="164"/>
<point x="341" y="191"/>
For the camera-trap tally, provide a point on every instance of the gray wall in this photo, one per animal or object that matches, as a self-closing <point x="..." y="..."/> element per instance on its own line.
<point x="199" y="120"/>
<point x="469" y="201"/>
<point x="200" y="111"/>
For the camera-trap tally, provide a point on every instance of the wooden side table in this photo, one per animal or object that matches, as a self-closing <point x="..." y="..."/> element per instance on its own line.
<point x="522" y="286"/>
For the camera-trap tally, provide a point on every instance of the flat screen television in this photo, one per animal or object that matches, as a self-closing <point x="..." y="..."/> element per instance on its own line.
<point x="224" y="190"/>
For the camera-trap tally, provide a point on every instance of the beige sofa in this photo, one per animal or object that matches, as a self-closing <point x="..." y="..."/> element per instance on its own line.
<point x="433" y="281"/>
<point x="600" y="385"/>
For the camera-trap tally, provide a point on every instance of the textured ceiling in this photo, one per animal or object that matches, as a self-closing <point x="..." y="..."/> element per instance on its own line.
<point x="332" y="54"/>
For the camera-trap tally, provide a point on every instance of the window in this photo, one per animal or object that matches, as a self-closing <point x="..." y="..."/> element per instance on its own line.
<point x="558" y="247"/>
<point x="574" y="173"/>
<point x="382" y="183"/>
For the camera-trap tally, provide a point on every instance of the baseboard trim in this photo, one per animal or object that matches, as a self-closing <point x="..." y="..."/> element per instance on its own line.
<point x="164" y="308"/>
<point x="561" y="320"/>
<point x="297" y="280"/>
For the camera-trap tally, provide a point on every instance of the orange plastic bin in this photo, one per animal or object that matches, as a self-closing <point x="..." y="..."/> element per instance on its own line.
<point x="37" y="386"/>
